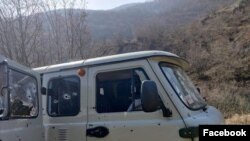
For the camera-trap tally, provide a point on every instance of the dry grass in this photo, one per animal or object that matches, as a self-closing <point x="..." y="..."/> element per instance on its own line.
<point x="238" y="119"/>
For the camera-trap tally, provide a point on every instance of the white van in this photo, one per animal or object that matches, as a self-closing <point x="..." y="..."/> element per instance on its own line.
<point x="20" y="103"/>
<point x="140" y="96"/>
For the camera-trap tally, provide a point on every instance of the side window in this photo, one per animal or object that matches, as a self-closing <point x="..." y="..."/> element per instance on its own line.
<point x="23" y="95"/>
<point x="64" y="96"/>
<point x="119" y="91"/>
<point x="3" y="93"/>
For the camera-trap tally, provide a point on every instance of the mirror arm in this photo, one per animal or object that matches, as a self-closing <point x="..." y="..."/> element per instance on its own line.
<point x="165" y="111"/>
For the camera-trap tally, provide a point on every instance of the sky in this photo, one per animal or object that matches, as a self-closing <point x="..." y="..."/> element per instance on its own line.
<point x="108" y="4"/>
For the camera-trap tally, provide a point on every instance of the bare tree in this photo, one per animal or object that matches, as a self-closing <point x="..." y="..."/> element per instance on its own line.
<point x="68" y="35"/>
<point x="20" y="28"/>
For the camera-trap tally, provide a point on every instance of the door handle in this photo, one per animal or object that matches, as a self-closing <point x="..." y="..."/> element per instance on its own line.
<point x="98" y="132"/>
<point x="190" y="132"/>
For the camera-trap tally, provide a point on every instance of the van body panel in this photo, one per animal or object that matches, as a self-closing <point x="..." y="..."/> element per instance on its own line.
<point x="68" y="127"/>
<point x="210" y="116"/>
<point x="192" y="118"/>
<point x="136" y="125"/>
<point x="169" y="92"/>
<point x="126" y="57"/>
<point x="107" y="120"/>
<point x="27" y="129"/>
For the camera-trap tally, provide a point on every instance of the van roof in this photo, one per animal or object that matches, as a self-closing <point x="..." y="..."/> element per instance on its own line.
<point x="113" y="59"/>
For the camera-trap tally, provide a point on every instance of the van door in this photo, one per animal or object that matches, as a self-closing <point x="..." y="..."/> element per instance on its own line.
<point x="66" y="101"/>
<point x="114" y="108"/>
<point x="20" y="105"/>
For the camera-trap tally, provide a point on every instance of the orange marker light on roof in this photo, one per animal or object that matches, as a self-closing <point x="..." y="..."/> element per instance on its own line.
<point x="81" y="72"/>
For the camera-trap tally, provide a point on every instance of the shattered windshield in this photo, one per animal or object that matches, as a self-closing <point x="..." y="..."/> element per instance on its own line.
<point x="183" y="86"/>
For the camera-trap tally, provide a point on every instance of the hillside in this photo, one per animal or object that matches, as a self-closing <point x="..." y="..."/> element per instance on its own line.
<point x="124" y="20"/>
<point x="218" y="48"/>
<point x="222" y="59"/>
<point x="61" y="35"/>
<point x="213" y="35"/>
<point x="217" y="45"/>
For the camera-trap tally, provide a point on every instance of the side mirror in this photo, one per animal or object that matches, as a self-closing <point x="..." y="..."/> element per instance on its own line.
<point x="43" y="91"/>
<point x="149" y="96"/>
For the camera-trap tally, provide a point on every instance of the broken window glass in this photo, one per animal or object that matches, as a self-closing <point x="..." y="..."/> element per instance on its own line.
<point x="23" y="95"/>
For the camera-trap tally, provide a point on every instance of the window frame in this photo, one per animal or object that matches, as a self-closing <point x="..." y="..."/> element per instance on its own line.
<point x="114" y="70"/>
<point x="174" y="65"/>
<point x="5" y="64"/>
<point x="9" y="117"/>
<point x="47" y="96"/>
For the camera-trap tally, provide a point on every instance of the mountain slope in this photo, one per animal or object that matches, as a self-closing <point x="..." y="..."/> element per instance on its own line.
<point x="218" y="46"/>
<point x="125" y="19"/>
